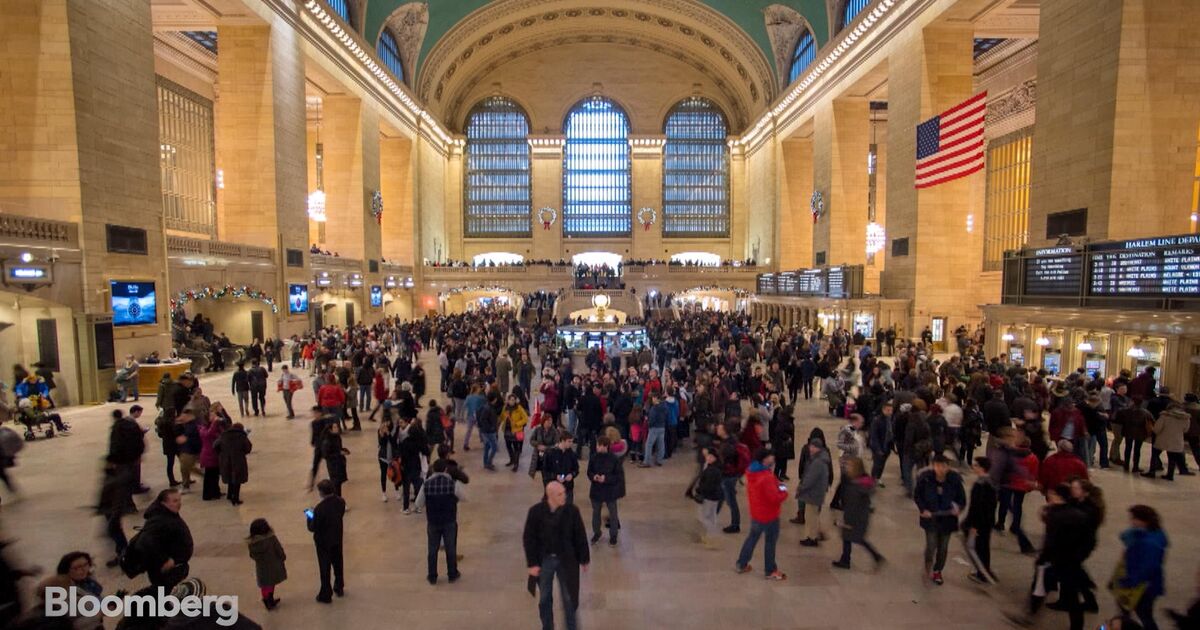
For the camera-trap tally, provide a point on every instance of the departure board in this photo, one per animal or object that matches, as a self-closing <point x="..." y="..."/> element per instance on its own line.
<point x="786" y="282"/>
<point x="835" y="282"/>
<point x="1054" y="271"/>
<point x="843" y="282"/>
<point x="810" y="282"/>
<point x="1155" y="267"/>
<point x="766" y="283"/>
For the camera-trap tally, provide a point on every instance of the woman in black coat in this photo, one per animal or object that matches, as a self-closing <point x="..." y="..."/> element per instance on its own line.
<point x="335" y="456"/>
<point x="435" y="433"/>
<point x="232" y="448"/>
<point x="855" y="494"/>
<point x="608" y="485"/>
<point x="782" y="433"/>
<point x="165" y="542"/>
<point x="413" y="446"/>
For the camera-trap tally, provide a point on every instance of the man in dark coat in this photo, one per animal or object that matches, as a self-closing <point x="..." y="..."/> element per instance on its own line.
<point x="940" y="496"/>
<point x="591" y="417"/>
<point x="232" y="448"/>
<point x="165" y="542"/>
<point x="258" y="388"/>
<point x="562" y="464"/>
<point x="608" y="485"/>
<point x="325" y="523"/>
<point x="126" y="445"/>
<point x="555" y="542"/>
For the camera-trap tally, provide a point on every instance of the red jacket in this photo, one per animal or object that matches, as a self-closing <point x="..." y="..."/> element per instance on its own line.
<point x="380" y="392"/>
<point x="764" y="494"/>
<point x="1024" y="476"/>
<point x="1059" y="467"/>
<point x="331" y="396"/>
<point x="1061" y="417"/>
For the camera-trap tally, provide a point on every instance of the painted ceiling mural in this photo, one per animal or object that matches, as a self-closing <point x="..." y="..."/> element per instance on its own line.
<point x="746" y="14"/>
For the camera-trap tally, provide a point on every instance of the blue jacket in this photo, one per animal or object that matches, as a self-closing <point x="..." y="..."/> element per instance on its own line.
<point x="672" y="405"/>
<point x="938" y="498"/>
<point x="1145" y="552"/>
<point x="659" y="417"/>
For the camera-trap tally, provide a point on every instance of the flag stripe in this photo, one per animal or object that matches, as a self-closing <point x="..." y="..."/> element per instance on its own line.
<point x="943" y="180"/>
<point x="951" y="145"/>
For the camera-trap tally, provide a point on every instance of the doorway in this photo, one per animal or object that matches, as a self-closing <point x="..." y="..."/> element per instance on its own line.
<point x="349" y="314"/>
<point x="256" y="325"/>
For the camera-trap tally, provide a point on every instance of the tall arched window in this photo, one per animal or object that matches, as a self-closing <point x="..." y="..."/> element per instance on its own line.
<point x="696" y="171"/>
<point x="496" y="178"/>
<point x="850" y="10"/>
<point x="805" y="54"/>
<point x="342" y="8"/>
<point x="389" y="53"/>
<point x="596" y="197"/>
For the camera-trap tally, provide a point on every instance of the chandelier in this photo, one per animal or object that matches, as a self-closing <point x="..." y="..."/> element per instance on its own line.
<point x="876" y="237"/>
<point x="316" y="205"/>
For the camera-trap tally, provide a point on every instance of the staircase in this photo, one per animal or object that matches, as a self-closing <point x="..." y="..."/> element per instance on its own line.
<point x="581" y="299"/>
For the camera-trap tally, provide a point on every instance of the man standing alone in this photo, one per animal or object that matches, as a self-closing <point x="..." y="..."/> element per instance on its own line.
<point x="325" y="523"/>
<point x="765" y="495"/>
<point x="556" y="543"/>
<point x="439" y="496"/>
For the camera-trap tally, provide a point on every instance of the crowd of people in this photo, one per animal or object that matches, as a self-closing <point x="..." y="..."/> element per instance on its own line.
<point x="720" y="389"/>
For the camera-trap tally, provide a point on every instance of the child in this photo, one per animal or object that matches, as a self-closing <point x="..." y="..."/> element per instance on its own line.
<point x="977" y="525"/>
<point x="268" y="560"/>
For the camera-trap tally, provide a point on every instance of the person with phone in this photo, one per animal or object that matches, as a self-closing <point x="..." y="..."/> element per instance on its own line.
<point x="766" y="495"/>
<point x="562" y="465"/>
<point x="608" y="485"/>
<point x="325" y="523"/>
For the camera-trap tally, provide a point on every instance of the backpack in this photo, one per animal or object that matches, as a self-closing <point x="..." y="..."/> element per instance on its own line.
<point x="132" y="562"/>
<point x="162" y="425"/>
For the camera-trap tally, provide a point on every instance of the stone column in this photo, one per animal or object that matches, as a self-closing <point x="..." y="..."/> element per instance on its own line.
<point x="796" y="224"/>
<point x="350" y="135"/>
<point x="396" y="182"/>
<point x="1118" y="108"/>
<point x="842" y="139"/>
<point x="934" y="67"/>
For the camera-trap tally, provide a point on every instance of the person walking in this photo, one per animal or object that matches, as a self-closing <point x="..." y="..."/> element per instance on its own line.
<point x="258" y="387"/>
<point x="555" y="542"/>
<point x="855" y="493"/>
<point x="561" y="463"/>
<point x="388" y="454"/>
<point x="815" y="480"/>
<point x="656" y="435"/>
<point x="489" y="428"/>
<point x="325" y="522"/>
<point x="239" y="386"/>
<point x="940" y="496"/>
<point x="708" y="494"/>
<point x="513" y="420"/>
<point x="126" y="445"/>
<point x="334" y="455"/>
<point x="288" y="384"/>
<point x="1169" y="430"/>
<point x="188" y="440"/>
<point x="1139" y="579"/>
<point x="765" y="494"/>
<point x="977" y="525"/>
<point x="209" y="461"/>
<point x="269" y="558"/>
<point x="414" y="448"/>
<point x="735" y="460"/>
<point x="608" y="486"/>
<point x="439" y="496"/>
<point x="232" y="448"/>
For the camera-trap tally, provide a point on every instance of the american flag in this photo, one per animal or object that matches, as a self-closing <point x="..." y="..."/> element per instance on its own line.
<point x="950" y="146"/>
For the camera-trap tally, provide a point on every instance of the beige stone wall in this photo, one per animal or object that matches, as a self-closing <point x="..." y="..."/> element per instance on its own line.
<point x="429" y="206"/>
<point x="1118" y="109"/>
<point x="796" y="186"/>
<point x="19" y="341"/>
<point x="396" y="182"/>
<point x="842" y="138"/>
<point x="759" y="224"/>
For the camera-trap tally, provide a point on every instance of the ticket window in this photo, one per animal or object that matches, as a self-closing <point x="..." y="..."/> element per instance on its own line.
<point x="1095" y="363"/>
<point x="1052" y="361"/>
<point x="1016" y="354"/>
<point x="864" y="324"/>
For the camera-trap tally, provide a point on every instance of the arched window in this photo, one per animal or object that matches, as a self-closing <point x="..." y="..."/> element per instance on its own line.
<point x="696" y="171"/>
<point x="496" y="178"/>
<point x="596" y="197"/>
<point x="806" y="53"/>
<point x="342" y="8"/>
<point x="389" y="53"/>
<point x="850" y="10"/>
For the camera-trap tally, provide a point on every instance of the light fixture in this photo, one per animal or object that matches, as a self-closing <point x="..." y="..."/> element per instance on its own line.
<point x="1136" y="352"/>
<point x="876" y="237"/>
<point x="26" y="257"/>
<point x="1042" y="341"/>
<point x="1084" y="346"/>
<point x="970" y="223"/>
<point x="316" y="206"/>
<point x="1008" y="336"/>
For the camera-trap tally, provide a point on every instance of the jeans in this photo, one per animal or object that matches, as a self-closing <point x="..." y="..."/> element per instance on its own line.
<point x="446" y="535"/>
<point x="116" y="532"/>
<point x="412" y="480"/>
<point x="707" y="513"/>
<point x="936" y="545"/>
<point x="287" y="402"/>
<point x="756" y="530"/>
<point x="171" y="468"/>
<point x="878" y="460"/>
<point x="568" y="583"/>
<point x="1114" y="451"/>
<point x="572" y="421"/>
<point x="655" y="437"/>
<point x="586" y="438"/>
<point x="614" y="521"/>
<point x="1133" y="454"/>
<point x="1014" y="500"/>
<point x="489" y="447"/>
<point x="258" y="399"/>
<point x="329" y="559"/>
<point x="243" y="399"/>
<point x="1175" y="460"/>
<point x="906" y="472"/>
<point x="364" y="397"/>
<point x="1098" y="442"/>
<point x="470" y="429"/>
<point x="847" y="544"/>
<point x="729" y="491"/>
<point x="1145" y="612"/>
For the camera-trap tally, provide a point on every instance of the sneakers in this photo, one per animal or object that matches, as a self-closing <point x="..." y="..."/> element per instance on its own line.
<point x="418" y="510"/>
<point x="936" y="578"/>
<point x="407" y="511"/>
<point x="776" y="575"/>
<point x="741" y="570"/>
<point x="383" y="497"/>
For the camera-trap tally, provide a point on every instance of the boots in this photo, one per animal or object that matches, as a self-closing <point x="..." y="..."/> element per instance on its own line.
<point x="270" y="602"/>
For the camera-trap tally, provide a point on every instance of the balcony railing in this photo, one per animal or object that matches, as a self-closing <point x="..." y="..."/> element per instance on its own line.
<point x="35" y="231"/>
<point x="336" y="262"/>
<point x="182" y="245"/>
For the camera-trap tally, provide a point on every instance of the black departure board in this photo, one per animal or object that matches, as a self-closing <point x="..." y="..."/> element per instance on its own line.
<point x="1054" y="271"/>
<point x="835" y="282"/>
<point x="844" y="282"/>
<point x="786" y="282"/>
<point x="766" y="283"/>
<point x="1154" y="267"/>
<point x="810" y="282"/>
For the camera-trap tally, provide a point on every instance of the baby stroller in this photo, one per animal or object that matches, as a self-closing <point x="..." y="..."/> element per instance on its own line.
<point x="34" y="414"/>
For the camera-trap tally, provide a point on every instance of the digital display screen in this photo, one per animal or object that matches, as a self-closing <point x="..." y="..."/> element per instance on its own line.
<point x="297" y="298"/>
<point x="766" y="283"/>
<point x="376" y="296"/>
<point x="835" y="282"/>
<point x="1054" y="271"/>
<point x="811" y="282"/>
<point x="1155" y="267"/>
<point x="133" y="303"/>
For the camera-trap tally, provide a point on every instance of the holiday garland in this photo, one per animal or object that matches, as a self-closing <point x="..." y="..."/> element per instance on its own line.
<point x="214" y="293"/>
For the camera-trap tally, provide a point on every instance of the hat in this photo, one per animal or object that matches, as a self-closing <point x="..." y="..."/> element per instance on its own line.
<point x="406" y="386"/>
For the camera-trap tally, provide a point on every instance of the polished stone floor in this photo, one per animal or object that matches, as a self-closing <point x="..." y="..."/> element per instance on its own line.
<point x="656" y="578"/>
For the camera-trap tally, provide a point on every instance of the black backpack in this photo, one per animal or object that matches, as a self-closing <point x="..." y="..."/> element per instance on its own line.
<point x="132" y="562"/>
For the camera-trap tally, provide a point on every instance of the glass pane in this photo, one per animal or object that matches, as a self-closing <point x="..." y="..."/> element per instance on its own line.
<point x="496" y="178"/>
<point x="596" y="194"/>
<point x="186" y="160"/>
<point x="389" y="53"/>
<point x="696" y="171"/>
<point x="806" y="53"/>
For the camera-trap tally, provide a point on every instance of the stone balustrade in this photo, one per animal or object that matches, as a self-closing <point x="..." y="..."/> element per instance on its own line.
<point x="186" y="246"/>
<point x="37" y="231"/>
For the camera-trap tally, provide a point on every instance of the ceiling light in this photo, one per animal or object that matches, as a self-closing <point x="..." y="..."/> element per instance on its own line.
<point x="1008" y="336"/>
<point x="1084" y="346"/>
<point x="1042" y="341"/>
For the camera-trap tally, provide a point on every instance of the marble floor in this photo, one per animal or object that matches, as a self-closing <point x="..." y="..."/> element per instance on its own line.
<point x="657" y="577"/>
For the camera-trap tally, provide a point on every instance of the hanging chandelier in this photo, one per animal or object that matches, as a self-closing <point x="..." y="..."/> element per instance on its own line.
<point x="876" y="237"/>
<point x="316" y="205"/>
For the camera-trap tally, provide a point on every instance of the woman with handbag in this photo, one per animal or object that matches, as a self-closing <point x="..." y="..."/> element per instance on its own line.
<point x="1138" y="579"/>
<point x="389" y="459"/>
<point x="513" y="419"/>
